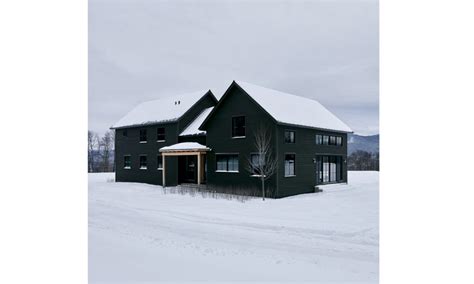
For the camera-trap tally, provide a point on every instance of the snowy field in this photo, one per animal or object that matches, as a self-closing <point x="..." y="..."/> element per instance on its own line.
<point x="139" y="234"/>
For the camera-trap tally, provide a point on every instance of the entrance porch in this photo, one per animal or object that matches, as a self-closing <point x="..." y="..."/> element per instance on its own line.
<point x="191" y="161"/>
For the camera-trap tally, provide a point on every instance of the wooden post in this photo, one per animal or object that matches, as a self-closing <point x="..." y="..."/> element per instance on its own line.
<point x="199" y="168"/>
<point x="163" y="162"/>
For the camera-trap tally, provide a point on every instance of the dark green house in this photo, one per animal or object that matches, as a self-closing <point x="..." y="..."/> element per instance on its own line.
<point x="196" y="139"/>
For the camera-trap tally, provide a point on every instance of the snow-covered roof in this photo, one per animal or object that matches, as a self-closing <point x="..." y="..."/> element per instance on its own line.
<point x="193" y="127"/>
<point x="185" y="146"/>
<point x="160" y="110"/>
<point x="291" y="109"/>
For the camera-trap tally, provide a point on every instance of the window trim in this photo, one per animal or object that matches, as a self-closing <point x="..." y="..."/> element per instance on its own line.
<point x="130" y="167"/>
<point x="294" y="136"/>
<point x="232" y="127"/>
<point x="139" y="162"/>
<point x="284" y="162"/>
<point x="227" y="164"/>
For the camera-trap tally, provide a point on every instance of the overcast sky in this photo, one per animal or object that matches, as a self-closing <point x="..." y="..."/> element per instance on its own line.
<point x="325" y="50"/>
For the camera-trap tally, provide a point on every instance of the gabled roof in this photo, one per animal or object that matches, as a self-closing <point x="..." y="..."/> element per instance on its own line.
<point x="193" y="127"/>
<point x="167" y="109"/>
<point x="288" y="109"/>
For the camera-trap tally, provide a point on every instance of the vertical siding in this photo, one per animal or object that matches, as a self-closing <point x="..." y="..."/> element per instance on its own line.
<point x="219" y="139"/>
<point x="305" y="150"/>
<point x="131" y="146"/>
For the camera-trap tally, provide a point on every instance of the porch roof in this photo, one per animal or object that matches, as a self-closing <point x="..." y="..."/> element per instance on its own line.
<point x="185" y="147"/>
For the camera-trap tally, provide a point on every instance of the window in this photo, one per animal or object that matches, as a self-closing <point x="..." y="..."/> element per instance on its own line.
<point x="256" y="163"/>
<point x="289" y="165"/>
<point x="143" y="162"/>
<point x="319" y="139"/>
<point x="160" y="134"/>
<point x="159" y="162"/>
<point x="332" y="140"/>
<point x="339" y="141"/>
<point x="127" y="164"/>
<point x="227" y="163"/>
<point x="289" y="136"/>
<point x="125" y="133"/>
<point x="238" y="126"/>
<point x="143" y="136"/>
<point x="325" y="140"/>
<point x="328" y="169"/>
<point x="325" y="169"/>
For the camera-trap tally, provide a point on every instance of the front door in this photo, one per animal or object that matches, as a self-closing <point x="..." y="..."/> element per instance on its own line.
<point x="191" y="169"/>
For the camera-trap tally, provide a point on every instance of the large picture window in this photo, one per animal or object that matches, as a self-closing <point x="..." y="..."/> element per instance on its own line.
<point x="143" y="164"/>
<point x="328" y="169"/>
<point x="238" y="126"/>
<point x="160" y="134"/>
<point x="289" y="165"/>
<point x="227" y="162"/>
<point x="143" y="137"/>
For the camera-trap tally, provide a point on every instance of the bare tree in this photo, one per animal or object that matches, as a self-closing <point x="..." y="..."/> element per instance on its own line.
<point x="263" y="163"/>
<point x="106" y="144"/>
<point x="91" y="146"/>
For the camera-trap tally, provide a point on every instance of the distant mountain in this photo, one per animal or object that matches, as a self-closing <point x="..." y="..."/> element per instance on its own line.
<point x="365" y="143"/>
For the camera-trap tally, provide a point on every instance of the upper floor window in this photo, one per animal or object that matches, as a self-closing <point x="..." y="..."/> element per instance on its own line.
<point x="125" y="133"/>
<point x="227" y="162"/>
<point x="238" y="126"/>
<point x="319" y="139"/>
<point x="289" y="136"/>
<point x="328" y="140"/>
<point x="127" y="164"/>
<point x="143" y="137"/>
<point x="289" y="165"/>
<point x="160" y="134"/>
<point x="325" y="140"/>
<point x="143" y="164"/>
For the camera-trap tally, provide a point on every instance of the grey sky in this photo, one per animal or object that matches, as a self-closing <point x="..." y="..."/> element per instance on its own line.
<point x="142" y="50"/>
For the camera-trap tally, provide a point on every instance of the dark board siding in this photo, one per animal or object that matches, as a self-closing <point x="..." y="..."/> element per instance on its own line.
<point x="219" y="139"/>
<point x="305" y="150"/>
<point x="131" y="146"/>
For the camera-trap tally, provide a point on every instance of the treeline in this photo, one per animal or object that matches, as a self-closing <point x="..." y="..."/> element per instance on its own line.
<point x="363" y="161"/>
<point x="100" y="152"/>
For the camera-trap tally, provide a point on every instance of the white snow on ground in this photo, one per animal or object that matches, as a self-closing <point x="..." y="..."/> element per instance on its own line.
<point x="137" y="233"/>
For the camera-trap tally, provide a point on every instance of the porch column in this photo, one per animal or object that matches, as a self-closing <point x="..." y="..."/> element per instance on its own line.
<point x="163" y="171"/>
<point x="199" y="167"/>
